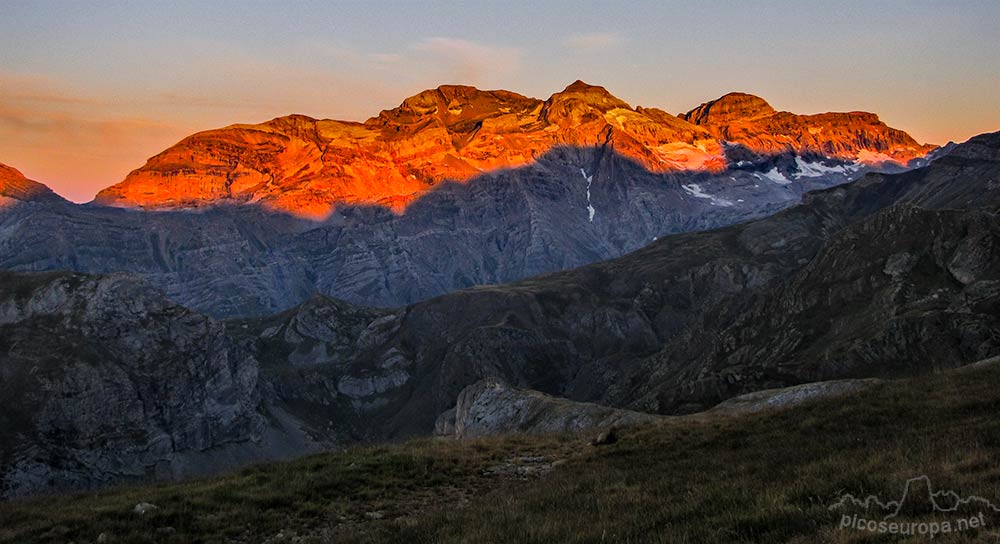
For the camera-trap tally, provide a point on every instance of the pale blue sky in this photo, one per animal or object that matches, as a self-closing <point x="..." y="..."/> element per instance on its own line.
<point x="88" y="91"/>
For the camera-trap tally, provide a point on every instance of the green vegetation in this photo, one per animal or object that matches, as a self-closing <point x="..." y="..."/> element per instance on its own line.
<point x="759" y="478"/>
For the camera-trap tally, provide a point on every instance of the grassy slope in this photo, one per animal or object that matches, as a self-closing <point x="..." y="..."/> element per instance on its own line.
<point x="766" y="477"/>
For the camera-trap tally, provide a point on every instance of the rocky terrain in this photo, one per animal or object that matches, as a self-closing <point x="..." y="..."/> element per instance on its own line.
<point x="905" y="291"/>
<point x="103" y="380"/>
<point x="308" y="167"/>
<point x="894" y="274"/>
<point x="491" y="407"/>
<point x="850" y="284"/>
<point x="771" y="475"/>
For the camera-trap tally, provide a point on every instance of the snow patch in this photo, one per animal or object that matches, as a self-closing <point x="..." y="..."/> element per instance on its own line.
<point x="816" y="169"/>
<point x="775" y="176"/>
<point x="695" y="190"/>
<point x="590" y="208"/>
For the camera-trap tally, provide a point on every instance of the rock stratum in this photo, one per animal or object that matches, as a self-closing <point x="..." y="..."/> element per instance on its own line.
<point x="308" y="167"/>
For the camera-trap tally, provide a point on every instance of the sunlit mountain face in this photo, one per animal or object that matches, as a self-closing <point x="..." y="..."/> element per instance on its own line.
<point x="14" y="186"/>
<point x="308" y="167"/>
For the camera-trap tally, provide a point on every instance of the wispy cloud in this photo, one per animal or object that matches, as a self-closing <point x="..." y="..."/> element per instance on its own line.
<point x="72" y="140"/>
<point x="39" y="89"/>
<point x="465" y="61"/>
<point x="385" y="59"/>
<point x="593" y="41"/>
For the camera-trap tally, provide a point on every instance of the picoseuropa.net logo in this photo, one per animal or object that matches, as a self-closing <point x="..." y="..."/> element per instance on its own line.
<point x="920" y="511"/>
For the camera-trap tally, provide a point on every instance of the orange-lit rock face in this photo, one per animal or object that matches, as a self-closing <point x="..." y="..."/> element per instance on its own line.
<point x="13" y="185"/>
<point x="750" y="121"/>
<point x="306" y="167"/>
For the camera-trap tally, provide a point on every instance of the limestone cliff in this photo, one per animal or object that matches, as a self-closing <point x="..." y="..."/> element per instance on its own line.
<point x="751" y="122"/>
<point x="307" y="167"/>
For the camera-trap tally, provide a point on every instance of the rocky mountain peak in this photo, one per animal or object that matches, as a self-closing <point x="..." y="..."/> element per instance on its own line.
<point x="583" y="95"/>
<point x="857" y="136"/>
<point x="729" y="107"/>
<point x="451" y="107"/>
<point x="581" y="87"/>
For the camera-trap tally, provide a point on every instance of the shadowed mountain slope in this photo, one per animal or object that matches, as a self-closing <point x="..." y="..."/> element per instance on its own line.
<point x="101" y="379"/>
<point x="570" y="207"/>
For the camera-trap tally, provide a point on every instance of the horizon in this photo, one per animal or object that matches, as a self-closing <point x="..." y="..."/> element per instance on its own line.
<point x="89" y="93"/>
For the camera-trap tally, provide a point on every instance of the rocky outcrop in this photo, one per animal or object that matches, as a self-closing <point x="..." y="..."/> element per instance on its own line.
<point x="308" y="167"/>
<point x="750" y="122"/>
<point x="787" y="397"/>
<point x="729" y="108"/>
<point x="491" y="407"/>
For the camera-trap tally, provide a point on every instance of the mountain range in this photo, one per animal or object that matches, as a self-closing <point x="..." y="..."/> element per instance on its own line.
<point x="455" y="188"/>
<point x="307" y="167"/>
<point x="890" y="274"/>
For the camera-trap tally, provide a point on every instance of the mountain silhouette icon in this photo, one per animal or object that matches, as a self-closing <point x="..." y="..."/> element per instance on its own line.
<point x="918" y="499"/>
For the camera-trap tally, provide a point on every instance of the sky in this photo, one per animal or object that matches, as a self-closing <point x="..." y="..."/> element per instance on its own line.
<point x="90" y="90"/>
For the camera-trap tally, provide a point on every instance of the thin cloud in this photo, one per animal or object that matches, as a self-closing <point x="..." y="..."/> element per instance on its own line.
<point x="593" y="41"/>
<point x="71" y="140"/>
<point x="33" y="88"/>
<point x="465" y="61"/>
<point x="385" y="59"/>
